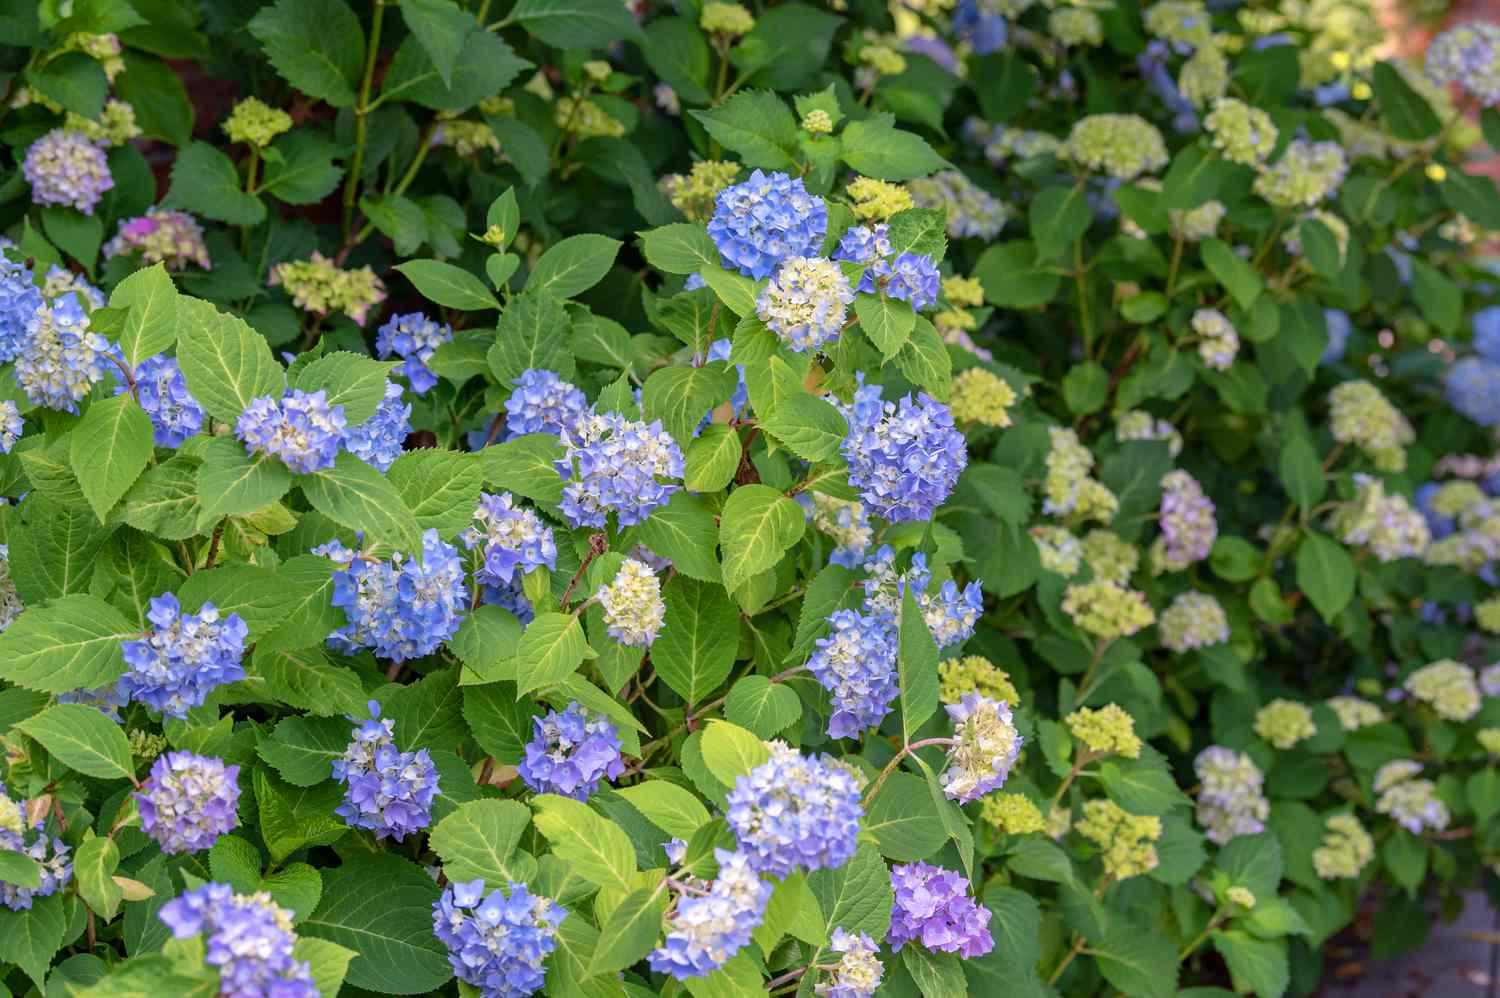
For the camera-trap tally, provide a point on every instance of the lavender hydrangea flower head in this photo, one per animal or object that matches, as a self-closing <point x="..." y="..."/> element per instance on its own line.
<point x="570" y="752"/>
<point x="1412" y="803"/>
<point x="985" y="748"/>
<point x="706" y="930"/>
<point x="972" y="211"/>
<point x="1230" y="800"/>
<point x="250" y="941"/>
<point x="11" y="426"/>
<point x="764" y="220"/>
<point x="19" y="300"/>
<point x="61" y="360"/>
<point x="1187" y="523"/>
<point x="414" y="338"/>
<point x="795" y="812"/>
<point x="806" y="303"/>
<point x="189" y="801"/>
<point x="911" y="277"/>
<point x="543" y="403"/>
<point x="403" y="608"/>
<point x="1473" y="389"/>
<point x="30" y="839"/>
<point x="856" y="664"/>
<point x="66" y="167"/>
<point x="934" y="909"/>
<point x="633" y="607"/>
<point x="614" y="464"/>
<point x="497" y="943"/>
<point x="1486" y="323"/>
<point x="1469" y="55"/>
<point x="188" y="655"/>
<point x="865" y="244"/>
<point x="301" y="428"/>
<point x="511" y="541"/>
<point x="171" y="238"/>
<point x="163" y="393"/>
<point x="387" y="791"/>
<point x="379" y="440"/>
<point x="859" y="970"/>
<point x="977" y="23"/>
<point x="905" y="457"/>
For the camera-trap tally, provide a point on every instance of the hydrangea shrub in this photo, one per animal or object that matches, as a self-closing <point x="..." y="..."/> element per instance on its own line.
<point x="608" y="500"/>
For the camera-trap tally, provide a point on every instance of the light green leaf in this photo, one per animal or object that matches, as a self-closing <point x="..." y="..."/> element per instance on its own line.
<point x="232" y="482"/>
<point x="696" y="647"/>
<point x="109" y="450"/>
<point x="680" y="248"/>
<point x="668" y="807"/>
<point x="887" y="322"/>
<point x="225" y="362"/>
<point x="552" y="647"/>
<point x="94" y="866"/>
<point x="82" y="739"/>
<point x="917" y="662"/>
<point x="757" y="526"/>
<point x="354" y="382"/>
<point x="596" y="849"/>
<point x="445" y="284"/>
<point x="576" y="24"/>
<point x="66" y="644"/>
<point x="766" y="708"/>
<point x="151" y="323"/>
<point x="359" y="497"/>
<point x="810" y="427"/>
<point x="730" y="751"/>
<point x="712" y="458"/>
<point x="316" y="45"/>
<point x="573" y="265"/>
<point x="477" y="840"/>
<point x="1325" y="573"/>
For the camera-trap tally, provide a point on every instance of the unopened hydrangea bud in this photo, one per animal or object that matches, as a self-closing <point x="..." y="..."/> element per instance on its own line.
<point x="858" y="972"/>
<point x="68" y="168"/>
<point x="1194" y="620"/>
<point x="1074" y="26"/>
<point x="633" y="607"/>
<point x="1198" y="223"/>
<point x="1244" y="134"/>
<point x="934" y="909"/>
<point x="317" y="285"/>
<point x="300" y="428"/>
<point x="1110" y="558"/>
<point x="1184" y="23"/>
<point x="1122" y="145"/>
<point x="467" y="138"/>
<point x="585" y="119"/>
<point x="1306" y="173"/>
<point x="728" y="19"/>
<point x="1284" y="723"/>
<point x="1012" y="814"/>
<point x="386" y="790"/>
<point x="1359" y="414"/>
<point x="1218" y="343"/>
<point x="1105" y="731"/>
<point x="1126" y="841"/>
<point x="806" y="303"/>
<point x="885" y="61"/>
<point x="379" y="440"/>
<point x="1204" y="77"/>
<point x="184" y="657"/>
<point x="571" y="752"/>
<point x="966" y="292"/>
<point x="1107" y="610"/>
<point x="795" y="812"/>
<point x="255" y="122"/>
<point x="11" y="426"/>
<point x="877" y="200"/>
<point x="695" y="192"/>
<point x="972" y="211"/>
<point x="189" y="801"/>
<point x="115" y="127"/>
<point x="1187" y="522"/>
<point x="974" y="674"/>
<point x="597" y="70"/>
<point x="856" y="664"/>
<point x="817" y="122"/>
<point x="497" y="944"/>
<point x="1450" y="688"/>
<point x="1469" y="55"/>
<point x="1487" y="614"/>
<point x="978" y="396"/>
<point x="1347" y="848"/>
<point x="904" y="457"/>
<point x="1058" y="549"/>
<point x="1355" y="713"/>
<point x="144" y="745"/>
<point x="1068" y="466"/>
<point x="1241" y="897"/>
<point x="1489" y="740"/>
<point x="986" y="744"/>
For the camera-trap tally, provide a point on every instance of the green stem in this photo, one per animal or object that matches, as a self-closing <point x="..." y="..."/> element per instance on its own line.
<point x="424" y="143"/>
<point x="1083" y="300"/>
<point x="890" y="767"/>
<point x="252" y="167"/>
<point x="361" y="117"/>
<point x="1176" y="260"/>
<point x="1063" y="965"/>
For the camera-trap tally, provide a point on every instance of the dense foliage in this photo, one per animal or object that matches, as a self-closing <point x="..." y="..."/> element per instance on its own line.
<point x="613" y="500"/>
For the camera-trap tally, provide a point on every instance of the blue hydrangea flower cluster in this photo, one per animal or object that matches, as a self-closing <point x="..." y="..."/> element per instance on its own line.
<point x="905" y="457"/>
<point x="11" y="426"/>
<point x="764" y="220"/>
<point x="934" y="910"/>
<point x="1473" y="389"/>
<point x="500" y="943"/>
<point x="796" y="812"/>
<point x="19" y="300"/>
<point x="865" y="244"/>
<point x="30" y="839"/>
<point x="706" y="930"/>
<point x="66" y="167"/>
<point x="511" y="541"/>
<point x="188" y="655"/>
<point x="301" y="428"/>
<point x="403" y="608"/>
<point x="379" y="440"/>
<point x="162" y="392"/>
<point x="912" y="277"/>
<point x="543" y="403"/>
<point x="387" y="791"/>
<point x="510" y="597"/>
<point x="1486" y="333"/>
<point x="250" y="941"/>
<point x="571" y="752"/>
<point x="856" y="664"/>
<point x="614" y="464"/>
<point x="414" y="338"/>
<point x="984" y="30"/>
<point x="1339" y="327"/>
<point x="61" y="361"/>
<point x="189" y="801"/>
<point x="950" y="614"/>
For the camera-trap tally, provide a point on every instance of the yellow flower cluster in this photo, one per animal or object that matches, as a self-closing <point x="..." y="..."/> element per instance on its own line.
<point x="1489" y="740"/>
<point x="1355" y="713"/>
<point x="1012" y="814"/>
<point x="1450" y="688"/>
<point x="116" y="125"/>
<point x="877" y="200"/>
<point x="728" y="19"/>
<point x="1111" y="558"/>
<point x="978" y="396"/>
<point x="1126" y="841"/>
<point x="468" y="138"/>
<point x="884" y="60"/>
<point x="817" y="122"/>
<point x="584" y="118"/>
<point x="1358" y="414"/>
<point x="255" y="122"/>
<point x="1487" y="614"/>
<point x="1284" y="723"/>
<point x="965" y="292"/>
<point x="1108" y="610"/>
<point x="975" y="674"/>
<point x="1108" y="730"/>
<point x="693" y="194"/>
<point x="1244" y="897"/>
<point x="1346" y="848"/>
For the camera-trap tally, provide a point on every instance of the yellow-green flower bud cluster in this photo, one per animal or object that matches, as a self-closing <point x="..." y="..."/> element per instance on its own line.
<point x="1355" y="712"/>
<point x="728" y="19"/>
<point x="817" y="122"/>
<point x="1244" y="134"/>
<point x="318" y="286"/>
<point x="1198" y="224"/>
<point x="255" y="122"/>
<point x="1109" y="730"/>
<point x="877" y="200"/>
<point x="1012" y="814"/>
<point x="1306" y="173"/>
<point x="585" y="119"/>
<point x="1284" y="723"/>
<point x="1487" y="614"/>
<point x="1111" y="558"/>
<point x="693" y="194"/>
<point x="1184" y="22"/>
<point x="1489" y="740"/>
<point x="1138" y="424"/>
<point x="1068" y="489"/>
<point x="467" y="138"/>
<point x="884" y="60"/>
<point x="1058" y="549"/>
<point x="1242" y="897"/>
<point x="1346" y="848"/>
<point x="1194" y="620"/>
<point x="1450" y="688"/>
<point x="1108" y="610"/>
<point x="975" y="674"/>
<point x="1126" y="841"/>
<point x="978" y="396"/>
<point x="1074" y="26"/>
<point x="1122" y="145"/>
<point x="115" y="127"/>
<point x="1358" y="414"/>
<point x="1204" y="77"/>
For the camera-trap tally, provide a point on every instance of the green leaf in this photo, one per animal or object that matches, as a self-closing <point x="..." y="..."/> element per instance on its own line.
<point x="937" y="975"/>
<point x="94" y="866"/>
<point x="1140" y="788"/>
<point x="1086" y="387"/>
<point x="576" y="24"/>
<point x="441" y="26"/>
<point x="316" y="45"/>
<point x="1301" y="472"/>
<point x="1237" y="276"/>
<point x="1407" y="114"/>
<point x="82" y="739"/>
<point x="595" y="849"/>
<point x="303" y="678"/>
<point x="712" y="458"/>
<point x="232" y="482"/>
<point x="1483" y="791"/>
<point x="684" y="531"/>
<point x="53" y="548"/>
<point x="525" y="466"/>
<point x="573" y="265"/>
<point x="1252" y="862"/>
<point x="904" y="821"/>
<point x="20" y="870"/>
<point x="764" y="707"/>
<point x="531" y="334"/>
<point x="681" y="396"/>
<point x="304" y="171"/>
<point x="874" y="147"/>
<point x="162" y="108"/>
<point x="293" y="818"/>
<point x="696" y="647"/>
<point x="445" y="284"/>
<point x="485" y="66"/>
<point x="151" y="323"/>
<point x="75" y="233"/>
<point x="205" y="182"/>
<point x="1325" y="573"/>
<point x="786" y="47"/>
<point x="327" y="961"/>
<point x="1261" y="964"/>
<point x="226" y="364"/>
<point x="1138" y="961"/>
<point x="74" y="80"/>
<point x="631" y="930"/>
<point x="735" y="290"/>
<point x="668" y="807"/>
<point x="917" y="664"/>
<point x="1438" y="297"/>
<point x="888" y="323"/>
<point x="1005" y="83"/>
<point x="1191" y="180"/>
<point x="31" y="938"/>
<point x="756" y="124"/>
<point x="1473" y="196"/>
<point x="678" y="52"/>
<point x="66" y="644"/>
<point x="486" y="642"/>
<point x="1059" y="216"/>
<point x="354" y="382"/>
<point x="477" y="840"/>
<point x="1011" y="277"/>
<point x="380" y="907"/>
<point x="757" y="526"/>
<point x="302" y="749"/>
<point x="262" y="597"/>
<point x="359" y="497"/>
<point x="109" y="450"/>
<point x="857" y="896"/>
<point x="552" y="647"/>
<point x="440" y="487"/>
<point x="730" y="751"/>
<point x="680" y="248"/>
<point x="165" y="501"/>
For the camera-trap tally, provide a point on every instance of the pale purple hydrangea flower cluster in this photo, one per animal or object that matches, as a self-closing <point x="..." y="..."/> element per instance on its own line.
<point x="497" y="943"/>
<point x="934" y="909"/>
<point x="570" y="752"/>
<point x="186" y="656"/>
<point x="250" y="941"/>
<point x="60" y="360"/>
<point x="414" y="338"/>
<point x="865" y="244"/>
<point x="11" y="426"/>
<point x="300" y="428"/>
<point x="189" y="801"/>
<point x="986" y="745"/>
<point x="1187" y="522"/>
<point x="511" y="541"/>
<point x="616" y="465"/>
<point x="764" y="220"/>
<point x="859" y="970"/>
<point x="19" y="300"/>
<point x="403" y="608"/>
<point x="66" y="167"/>
<point x="806" y="303"/>
<point x="904" y="457"/>
<point x="1230" y="799"/>
<point x="379" y="440"/>
<point x="171" y="238"/>
<point x="707" y="929"/>
<point x="50" y="853"/>
<point x="1469" y="55"/>
<point x="543" y="403"/>
<point x="386" y="790"/>
<point x="163" y="392"/>
<point x="856" y="664"/>
<point x="795" y="812"/>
